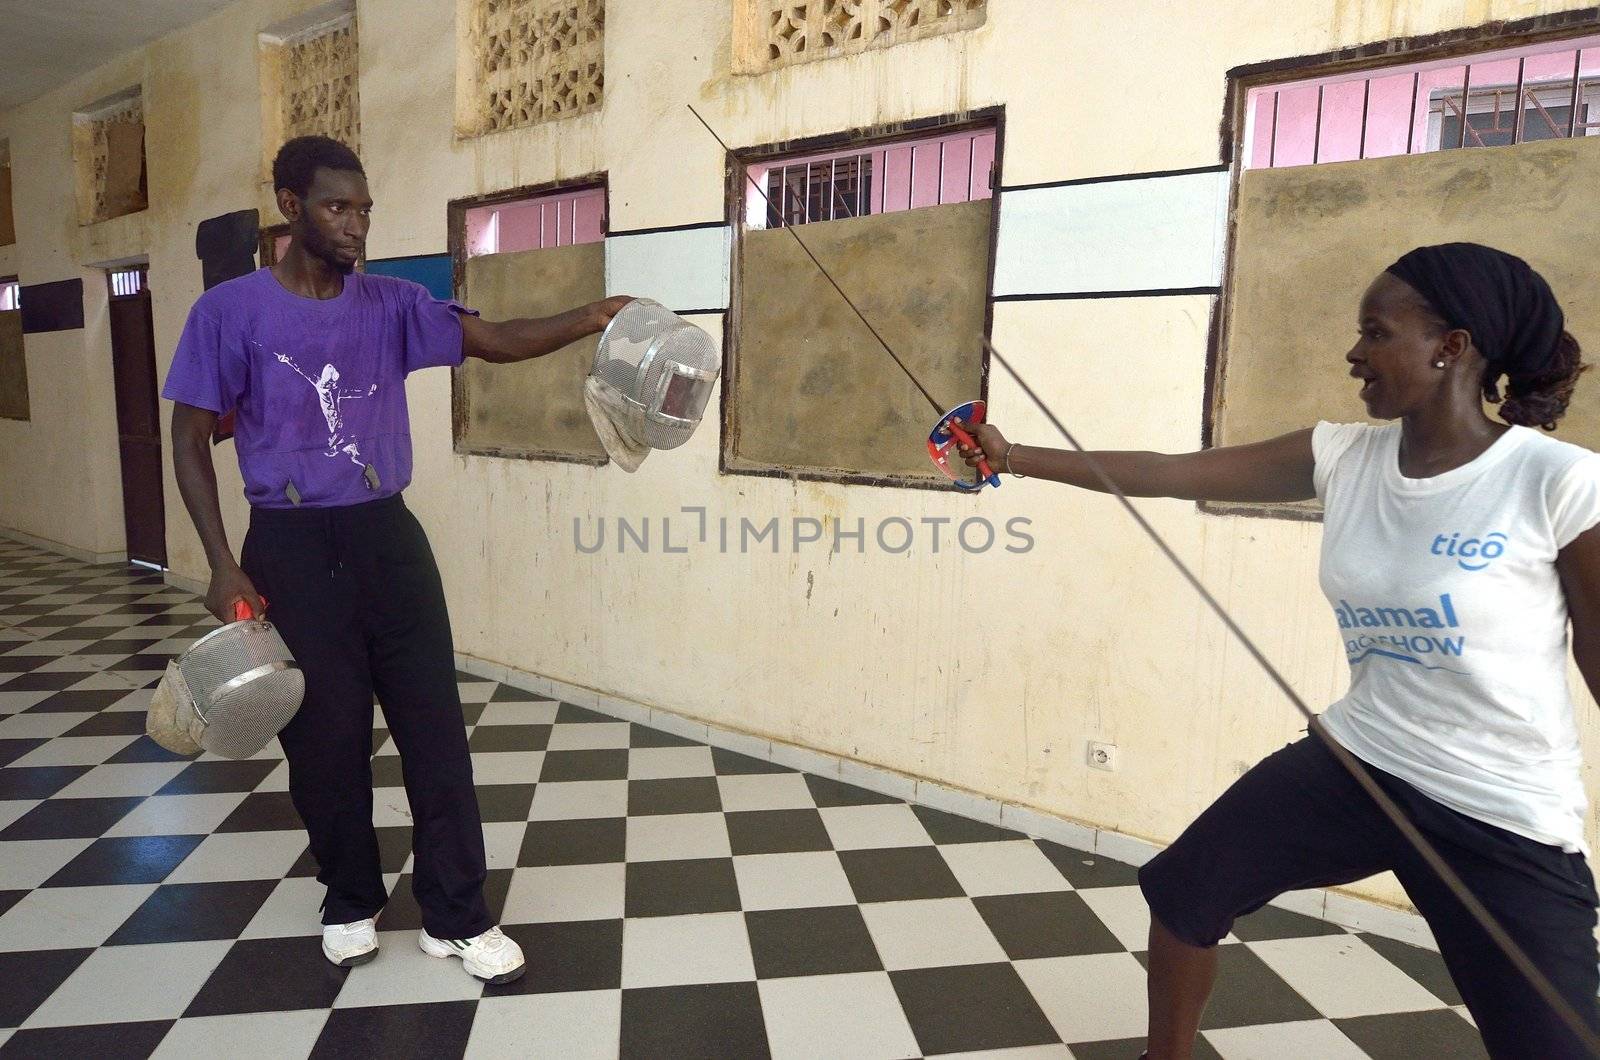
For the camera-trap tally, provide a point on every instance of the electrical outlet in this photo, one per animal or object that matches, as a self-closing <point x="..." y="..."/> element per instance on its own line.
<point x="1103" y="756"/>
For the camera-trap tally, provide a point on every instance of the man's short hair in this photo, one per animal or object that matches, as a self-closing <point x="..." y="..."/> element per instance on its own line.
<point x="298" y="161"/>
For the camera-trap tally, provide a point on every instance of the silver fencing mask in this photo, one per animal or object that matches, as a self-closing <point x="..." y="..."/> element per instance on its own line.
<point x="229" y="694"/>
<point x="652" y="377"/>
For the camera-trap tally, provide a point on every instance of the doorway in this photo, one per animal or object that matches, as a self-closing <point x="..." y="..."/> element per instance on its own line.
<point x="133" y="359"/>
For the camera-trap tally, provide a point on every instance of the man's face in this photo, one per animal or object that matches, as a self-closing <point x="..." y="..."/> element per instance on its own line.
<point x="331" y="222"/>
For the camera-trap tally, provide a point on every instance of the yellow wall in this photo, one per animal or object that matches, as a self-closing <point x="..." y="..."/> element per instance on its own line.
<point x="1088" y="636"/>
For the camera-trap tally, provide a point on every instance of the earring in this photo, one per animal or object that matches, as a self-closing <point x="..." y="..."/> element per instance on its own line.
<point x="1438" y="364"/>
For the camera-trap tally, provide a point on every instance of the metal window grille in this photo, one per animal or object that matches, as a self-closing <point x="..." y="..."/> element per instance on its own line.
<point x="1492" y="99"/>
<point x="127" y="283"/>
<point x="908" y="175"/>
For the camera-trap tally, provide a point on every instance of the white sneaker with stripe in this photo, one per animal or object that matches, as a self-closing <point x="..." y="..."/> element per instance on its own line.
<point x="490" y="956"/>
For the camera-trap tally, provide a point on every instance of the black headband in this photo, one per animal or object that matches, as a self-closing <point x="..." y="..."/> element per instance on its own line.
<point x="1509" y="310"/>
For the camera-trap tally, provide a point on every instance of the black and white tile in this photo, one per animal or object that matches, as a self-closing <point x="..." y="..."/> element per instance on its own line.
<point x="674" y="900"/>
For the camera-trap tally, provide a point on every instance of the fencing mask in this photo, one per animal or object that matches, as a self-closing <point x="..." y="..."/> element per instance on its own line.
<point x="229" y="694"/>
<point x="650" y="383"/>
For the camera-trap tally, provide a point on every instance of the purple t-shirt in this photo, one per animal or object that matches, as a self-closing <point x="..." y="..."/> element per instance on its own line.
<point x="318" y="385"/>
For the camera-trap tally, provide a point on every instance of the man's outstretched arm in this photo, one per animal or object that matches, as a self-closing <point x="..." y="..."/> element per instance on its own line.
<point x="508" y="341"/>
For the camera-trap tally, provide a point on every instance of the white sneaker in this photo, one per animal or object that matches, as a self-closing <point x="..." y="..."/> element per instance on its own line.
<point x="491" y="956"/>
<point x="348" y="945"/>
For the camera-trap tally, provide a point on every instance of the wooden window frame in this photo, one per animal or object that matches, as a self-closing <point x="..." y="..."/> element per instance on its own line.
<point x="1373" y="57"/>
<point x="456" y="220"/>
<point x="736" y="203"/>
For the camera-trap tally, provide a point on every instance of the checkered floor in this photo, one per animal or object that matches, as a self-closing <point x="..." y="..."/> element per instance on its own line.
<point x="674" y="900"/>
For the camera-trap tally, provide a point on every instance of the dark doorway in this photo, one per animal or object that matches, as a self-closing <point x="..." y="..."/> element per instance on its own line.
<point x="133" y="359"/>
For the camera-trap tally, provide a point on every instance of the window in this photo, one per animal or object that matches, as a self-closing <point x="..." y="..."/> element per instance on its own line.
<point x="529" y="253"/>
<point x="310" y="84"/>
<point x="1492" y="99"/>
<point x="127" y="283"/>
<point x="558" y="219"/>
<point x="905" y="176"/>
<point x="10" y="296"/>
<point x="8" y="225"/>
<point x="1306" y="237"/>
<point x="904" y="226"/>
<point x="529" y="61"/>
<point x="774" y="33"/>
<point x="108" y="145"/>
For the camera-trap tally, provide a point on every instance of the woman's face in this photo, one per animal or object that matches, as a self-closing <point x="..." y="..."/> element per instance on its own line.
<point x="1394" y="357"/>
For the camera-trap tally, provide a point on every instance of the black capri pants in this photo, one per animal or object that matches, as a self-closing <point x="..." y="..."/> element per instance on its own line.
<point x="1299" y="820"/>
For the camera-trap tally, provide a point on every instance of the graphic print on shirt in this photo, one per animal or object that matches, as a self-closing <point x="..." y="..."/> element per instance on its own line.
<point x="331" y="397"/>
<point x="1404" y="634"/>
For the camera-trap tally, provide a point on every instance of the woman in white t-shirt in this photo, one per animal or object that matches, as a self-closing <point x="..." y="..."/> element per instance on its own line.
<point x="1455" y="549"/>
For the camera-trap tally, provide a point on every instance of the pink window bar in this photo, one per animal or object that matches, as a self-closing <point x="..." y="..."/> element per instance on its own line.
<point x="1519" y="95"/>
<point x="904" y="176"/>
<point x="559" y="219"/>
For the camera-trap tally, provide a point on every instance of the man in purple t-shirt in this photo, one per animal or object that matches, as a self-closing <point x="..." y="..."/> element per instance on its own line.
<point x="312" y="358"/>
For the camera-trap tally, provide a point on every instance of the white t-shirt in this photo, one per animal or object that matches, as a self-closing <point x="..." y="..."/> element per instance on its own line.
<point x="1454" y="622"/>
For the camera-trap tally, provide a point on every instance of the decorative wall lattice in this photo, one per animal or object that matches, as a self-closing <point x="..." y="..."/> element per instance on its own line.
<point x="784" y="32"/>
<point x="320" y="91"/>
<point x="535" y="61"/>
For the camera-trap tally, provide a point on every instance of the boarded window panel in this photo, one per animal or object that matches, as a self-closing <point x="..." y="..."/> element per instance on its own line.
<point x="1310" y="240"/>
<point x="535" y="408"/>
<point x="13" y="368"/>
<point x="108" y="153"/>
<point x="124" y="175"/>
<point x="8" y="225"/>
<point x="805" y="364"/>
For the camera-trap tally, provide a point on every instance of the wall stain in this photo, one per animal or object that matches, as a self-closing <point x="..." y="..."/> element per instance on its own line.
<point x="1324" y="197"/>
